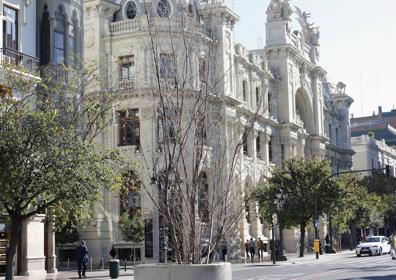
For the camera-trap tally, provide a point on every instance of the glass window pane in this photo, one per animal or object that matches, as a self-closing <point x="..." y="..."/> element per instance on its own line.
<point x="10" y="28"/>
<point x="59" y="56"/>
<point x="59" y="40"/>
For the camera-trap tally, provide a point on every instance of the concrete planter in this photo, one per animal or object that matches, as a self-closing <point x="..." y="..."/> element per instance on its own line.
<point x="217" y="271"/>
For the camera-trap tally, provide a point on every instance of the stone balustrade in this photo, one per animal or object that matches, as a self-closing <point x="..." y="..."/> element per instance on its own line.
<point x="157" y="25"/>
<point x="125" y="25"/>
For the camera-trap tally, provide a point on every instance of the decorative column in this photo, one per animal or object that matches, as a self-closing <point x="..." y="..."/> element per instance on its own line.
<point x="51" y="254"/>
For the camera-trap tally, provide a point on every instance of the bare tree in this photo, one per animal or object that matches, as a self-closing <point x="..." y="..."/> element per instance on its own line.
<point x="194" y="164"/>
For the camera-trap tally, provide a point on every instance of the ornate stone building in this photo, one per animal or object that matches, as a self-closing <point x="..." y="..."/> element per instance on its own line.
<point x="299" y="112"/>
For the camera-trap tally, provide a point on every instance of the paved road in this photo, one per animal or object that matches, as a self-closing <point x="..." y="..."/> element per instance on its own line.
<point x="329" y="267"/>
<point x="334" y="267"/>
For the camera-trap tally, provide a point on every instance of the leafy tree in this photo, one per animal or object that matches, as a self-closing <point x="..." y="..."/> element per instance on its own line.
<point x="358" y="207"/>
<point x="299" y="181"/>
<point x="45" y="166"/>
<point x="131" y="222"/>
<point x="132" y="226"/>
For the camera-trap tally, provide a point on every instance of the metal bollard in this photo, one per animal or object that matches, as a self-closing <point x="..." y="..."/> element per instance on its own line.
<point x="68" y="264"/>
<point x="125" y="264"/>
<point x="91" y="264"/>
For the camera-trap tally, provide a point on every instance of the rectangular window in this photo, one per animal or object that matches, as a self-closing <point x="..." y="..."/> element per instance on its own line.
<point x="59" y="47"/>
<point x="258" y="99"/>
<point x="202" y="71"/>
<point x="330" y="133"/>
<point x="126" y="68"/>
<point x="130" y="198"/>
<point x="245" y="143"/>
<point x="269" y="103"/>
<point x="129" y="127"/>
<point x="10" y="28"/>
<point x="337" y="136"/>
<point x="148" y="238"/>
<point x="166" y="123"/>
<point x="270" y="153"/>
<point x="167" y="66"/>
<point x="200" y="129"/>
<point x="258" y="147"/>
<point x="244" y="90"/>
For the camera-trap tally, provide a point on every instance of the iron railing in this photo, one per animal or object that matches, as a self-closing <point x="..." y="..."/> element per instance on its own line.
<point x="14" y="58"/>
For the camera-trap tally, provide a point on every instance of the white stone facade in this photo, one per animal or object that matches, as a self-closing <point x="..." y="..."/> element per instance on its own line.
<point x="298" y="105"/>
<point x="372" y="154"/>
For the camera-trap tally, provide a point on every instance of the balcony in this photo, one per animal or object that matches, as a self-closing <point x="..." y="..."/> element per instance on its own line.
<point x="55" y="73"/>
<point x="13" y="58"/>
<point x="126" y="85"/>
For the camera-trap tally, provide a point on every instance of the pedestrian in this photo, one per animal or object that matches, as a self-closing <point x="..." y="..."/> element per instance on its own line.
<point x="260" y="249"/>
<point x="81" y="255"/>
<point x="113" y="252"/>
<point x="223" y="247"/>
<point x="252" y="248"/>
<point x="327" y="240"/>
<point x="247" y="248"/>
<point x="392" y="240"/>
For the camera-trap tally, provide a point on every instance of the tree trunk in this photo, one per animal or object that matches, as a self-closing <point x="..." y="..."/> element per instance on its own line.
<point x="11" y="250"/>
<point x="302" y="239"/>
<point x="134" y="253"/>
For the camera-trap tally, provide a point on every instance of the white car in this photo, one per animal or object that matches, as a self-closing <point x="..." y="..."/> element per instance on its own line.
<point x="374" y="245"/>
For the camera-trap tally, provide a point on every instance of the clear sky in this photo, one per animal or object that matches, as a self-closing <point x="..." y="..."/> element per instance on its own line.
<point x="358" y="44"/>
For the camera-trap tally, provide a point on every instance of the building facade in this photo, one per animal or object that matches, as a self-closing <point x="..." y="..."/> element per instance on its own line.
<point x="299" y="112"/>
<point x="373" y="154"/>
<point x="382" y="125"/>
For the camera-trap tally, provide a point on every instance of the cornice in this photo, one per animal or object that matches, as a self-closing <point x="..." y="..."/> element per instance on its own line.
<point x="294" y="54"/>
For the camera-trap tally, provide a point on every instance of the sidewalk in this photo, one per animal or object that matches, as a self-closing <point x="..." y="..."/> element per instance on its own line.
<point x="65" y="275"/>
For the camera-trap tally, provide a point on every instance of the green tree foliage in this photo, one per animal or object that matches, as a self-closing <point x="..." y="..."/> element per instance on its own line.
<point x="132" y="226"/>
<point x="299" y="181"/>
<point x="46" y="166"/>
<point x="358" y="207"/>
<point x="131" y="222"/>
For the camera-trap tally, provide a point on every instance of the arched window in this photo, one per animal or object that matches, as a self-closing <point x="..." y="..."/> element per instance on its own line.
<point x="74" y="36"/>
<point x="203" y="198"/>
<point x="45" y="36"/>
<point x="130" y="10"/>
<point x="59" y="36"/>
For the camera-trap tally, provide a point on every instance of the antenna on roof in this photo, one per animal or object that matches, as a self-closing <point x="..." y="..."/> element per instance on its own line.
<point x="361" y="94"/>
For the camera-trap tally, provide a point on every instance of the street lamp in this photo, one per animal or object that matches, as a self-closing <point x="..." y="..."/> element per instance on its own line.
<point x="277" y="256"/>
<point x="280" y="201"/>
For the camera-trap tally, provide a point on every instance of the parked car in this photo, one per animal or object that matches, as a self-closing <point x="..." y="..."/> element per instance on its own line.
<point x="374" y="245"/>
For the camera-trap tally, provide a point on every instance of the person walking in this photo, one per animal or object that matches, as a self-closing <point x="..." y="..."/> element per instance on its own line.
<point x="260" y="249"/>
<point x="392" y="240"/>
<point x="252" y="249"/>
<point x="113" y="252"/>
<point x="223" y="247"/>
<point x="81" y="255"/>
<point x="247" y="248"/>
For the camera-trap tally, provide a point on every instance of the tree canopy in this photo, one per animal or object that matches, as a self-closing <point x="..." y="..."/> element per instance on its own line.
<point x="301" y="182"/>
<point x="46" y="166"/>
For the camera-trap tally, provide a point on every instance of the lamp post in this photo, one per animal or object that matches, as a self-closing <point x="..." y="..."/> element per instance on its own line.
<point x="280" y="201"/>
